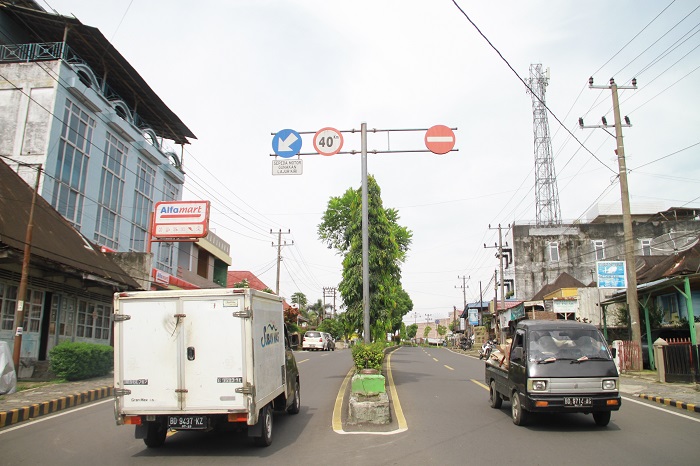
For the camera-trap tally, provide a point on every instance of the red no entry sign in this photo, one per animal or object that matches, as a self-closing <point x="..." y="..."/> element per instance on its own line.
<point x="439" y="139"/>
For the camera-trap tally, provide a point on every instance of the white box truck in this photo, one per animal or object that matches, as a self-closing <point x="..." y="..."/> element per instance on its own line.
<point x="202" y="360"/>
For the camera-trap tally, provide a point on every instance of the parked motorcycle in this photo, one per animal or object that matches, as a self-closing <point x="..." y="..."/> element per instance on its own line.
<point x="486" y="349"/>
<point x="465" y="343"/>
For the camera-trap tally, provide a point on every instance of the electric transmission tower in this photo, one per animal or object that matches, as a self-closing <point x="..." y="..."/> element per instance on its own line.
<point x="546" y="192"/>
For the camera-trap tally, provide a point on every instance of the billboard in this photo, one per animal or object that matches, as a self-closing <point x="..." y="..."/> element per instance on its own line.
<point x="181" y="219"/>
<point x="611" y="274"/>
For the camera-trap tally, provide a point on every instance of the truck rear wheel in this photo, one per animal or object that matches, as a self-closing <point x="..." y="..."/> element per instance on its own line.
<point x="265" y="439"/>
<point x="155" y="435"/>
<point x="601" y="418"/>
<point x="296" y="403"/>
<point x="518" y="414"/>
<point x="495" y="399"/>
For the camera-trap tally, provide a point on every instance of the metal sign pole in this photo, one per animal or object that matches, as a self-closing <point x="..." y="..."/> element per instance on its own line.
<point x="365" y="236"/>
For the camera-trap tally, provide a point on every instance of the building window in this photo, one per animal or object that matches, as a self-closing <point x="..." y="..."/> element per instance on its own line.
<point x="554" y="251"/>
<point x="646" y="247"/>
<point x="8" y="304"/>
<point x="72" y="163"/>
<point x="143" y="205"/>
<point x="165" y="257"/>
<point x="111" y="189"/>
<point x="170" y="191"/>
<point x="599" y="249"/>
<point x="669" y="308"/>
<point x="93" y="321"/>
<point x="32" y="310"/>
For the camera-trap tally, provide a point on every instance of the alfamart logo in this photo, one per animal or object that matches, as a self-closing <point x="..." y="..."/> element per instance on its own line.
<point x="271" y="335"/>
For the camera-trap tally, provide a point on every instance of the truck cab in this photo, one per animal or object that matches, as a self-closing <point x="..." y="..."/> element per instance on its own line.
<point x="555" y="366"/>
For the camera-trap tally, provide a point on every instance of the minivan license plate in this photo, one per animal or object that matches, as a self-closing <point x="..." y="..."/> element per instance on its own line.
<point x="577" y="401"/>
<point x="187" y="422"/>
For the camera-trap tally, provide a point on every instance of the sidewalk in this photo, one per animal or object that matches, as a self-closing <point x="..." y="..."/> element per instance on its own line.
<point x="35" y="402"/>
<point x="32" y="403"/>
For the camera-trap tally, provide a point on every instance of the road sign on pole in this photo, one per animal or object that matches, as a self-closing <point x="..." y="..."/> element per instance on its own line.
<point x="286" y="143"/>
<point x="328" y="141"/>
<point x="287" y="167"/>
<point x="439" y="139"/>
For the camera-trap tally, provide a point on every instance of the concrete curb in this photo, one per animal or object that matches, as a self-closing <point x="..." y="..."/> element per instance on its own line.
<point x="669" y="402"/>
<point x="25" y="413"/>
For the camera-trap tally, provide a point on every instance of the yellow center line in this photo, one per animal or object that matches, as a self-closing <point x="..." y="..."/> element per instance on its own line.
<point x="303" y="360"/>
<point x="450" y="368"/>
<point x="338" y="407"/>
<point x="435" y="359"/>
<point x="480" y="384"/>
<point x="403" y="425"/>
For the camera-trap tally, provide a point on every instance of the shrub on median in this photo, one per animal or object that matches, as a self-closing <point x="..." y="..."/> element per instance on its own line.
<point x="78" y="361"/>
<point x="368" y="356"/>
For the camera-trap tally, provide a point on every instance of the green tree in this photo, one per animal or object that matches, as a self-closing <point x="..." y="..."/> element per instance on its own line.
<point x="426" y="331"/>
<point x="442" y="330"/>
<point x="300" y="300"/>
<point x="332" y="326"/>
<point x="412" y="330"/>
<point x="319" y="310"/>
<point x="341" y="229"/>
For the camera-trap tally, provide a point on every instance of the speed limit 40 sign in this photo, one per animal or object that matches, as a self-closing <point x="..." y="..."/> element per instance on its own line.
<point x="328" y="141"/>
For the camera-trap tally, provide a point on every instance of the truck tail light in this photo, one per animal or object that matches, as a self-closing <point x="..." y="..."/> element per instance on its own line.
<point x="237" y="417"/>
<point x="132" y="420"/>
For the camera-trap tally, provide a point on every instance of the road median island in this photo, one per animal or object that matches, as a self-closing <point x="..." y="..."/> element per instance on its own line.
<point x="373" y="414"/>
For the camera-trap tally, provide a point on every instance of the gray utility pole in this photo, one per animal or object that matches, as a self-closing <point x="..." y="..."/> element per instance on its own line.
<point x="464" y="289"/>
<point x="499" y="255"/>
<point x="632" y="299"/>
<point x="365" y="237"/>
<point x="279" y="255"/>
<point x="329" y="292"/>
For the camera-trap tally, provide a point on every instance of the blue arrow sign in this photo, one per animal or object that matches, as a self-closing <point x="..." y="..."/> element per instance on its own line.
<point x="286" y="143"/>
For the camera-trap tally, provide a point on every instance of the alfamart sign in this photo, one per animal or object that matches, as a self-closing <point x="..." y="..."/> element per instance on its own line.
<point x="181" y="219"/>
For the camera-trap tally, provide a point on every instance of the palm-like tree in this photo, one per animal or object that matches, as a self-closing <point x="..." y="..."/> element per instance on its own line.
<point x="318" y="310"/>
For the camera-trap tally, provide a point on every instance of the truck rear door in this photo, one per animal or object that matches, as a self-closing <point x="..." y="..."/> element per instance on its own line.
<point x="212" y="354"/>
<point x="147" y="345"/>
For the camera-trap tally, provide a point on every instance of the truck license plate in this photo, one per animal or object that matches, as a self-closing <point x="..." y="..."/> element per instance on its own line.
<point x="577" y="401"/>
<point x="187" y="422"/>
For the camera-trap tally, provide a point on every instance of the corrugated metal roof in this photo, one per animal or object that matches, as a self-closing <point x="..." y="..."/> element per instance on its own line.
<point x="54" y="240"/>
<point x="104" y="60"/>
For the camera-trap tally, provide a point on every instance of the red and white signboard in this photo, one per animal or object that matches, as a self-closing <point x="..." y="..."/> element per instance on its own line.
<point x="328" y="141"/>
<point x="181" y="219"/>
<point x="440" y="139"/>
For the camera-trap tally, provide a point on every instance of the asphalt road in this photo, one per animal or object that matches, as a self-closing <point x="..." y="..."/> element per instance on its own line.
<point x="446" y="411"/>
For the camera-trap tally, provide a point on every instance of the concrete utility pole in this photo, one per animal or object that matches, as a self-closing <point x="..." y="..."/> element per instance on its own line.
<point x="279" y="256"/>
<point x="632" y="299"/>
<point x="499" y="254"/>
<point x="464" y="288"/>
<point x="329" y="292"/>
<point x="24" y="278"/>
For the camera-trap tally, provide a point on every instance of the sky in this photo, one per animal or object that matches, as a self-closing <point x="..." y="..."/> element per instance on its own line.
<point x="237" y="71"/>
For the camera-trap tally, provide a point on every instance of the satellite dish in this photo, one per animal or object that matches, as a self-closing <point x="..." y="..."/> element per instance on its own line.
<point x="674" y="242"/>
